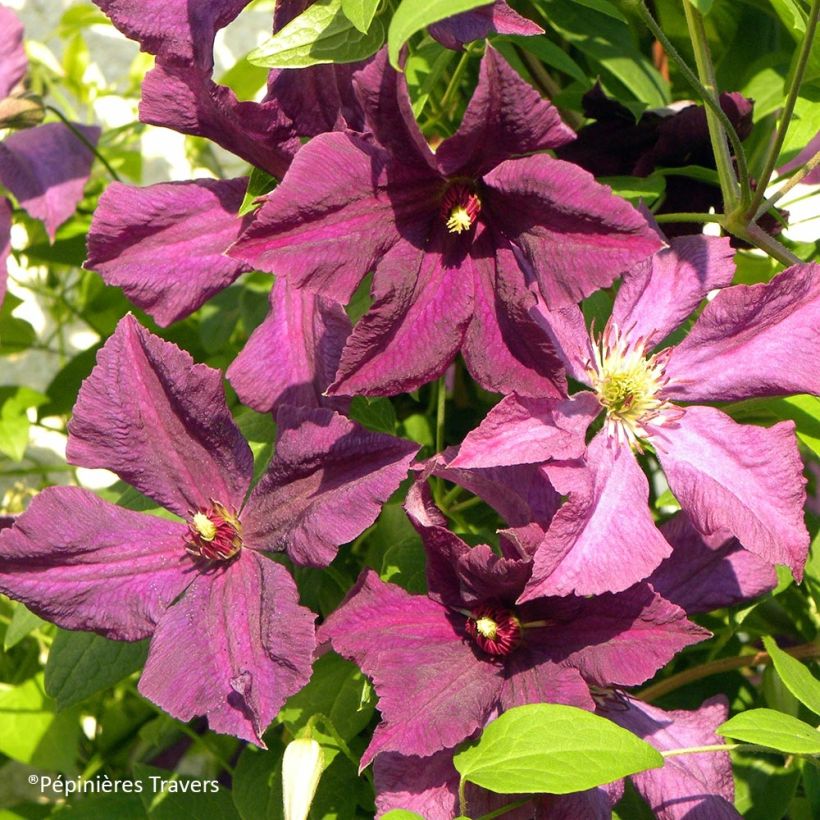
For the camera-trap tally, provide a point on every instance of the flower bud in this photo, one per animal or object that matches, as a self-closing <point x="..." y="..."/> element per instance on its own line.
<point x="301" y="770"/>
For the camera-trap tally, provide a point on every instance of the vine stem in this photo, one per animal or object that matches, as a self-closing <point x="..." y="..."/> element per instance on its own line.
<point x="84" y="140"/>
<point x="717" y="747"/>
<point x="724" y="161"/>
<point x="689" y="217"/>
<point x="462" y="797"/>
<point x="664" y="687"/>
<point x="788" y="111"/>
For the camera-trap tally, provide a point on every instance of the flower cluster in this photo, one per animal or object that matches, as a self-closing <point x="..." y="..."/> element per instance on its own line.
<point x="483" y="246"/>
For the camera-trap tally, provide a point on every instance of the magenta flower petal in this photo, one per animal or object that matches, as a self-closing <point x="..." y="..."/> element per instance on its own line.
<point x="432" y="692"/>
<point x="575" y="234"/>
<point x="505" y="117"/>
<point x="164" y="245"/>
<point x="160" y="422"/>
<point x="661" y="293"/>
<point x="422" y="304"/>
<point x="753" y="340"/>
<point x="504" y="349"/>
<point x="325" y="485"/>
<point x="528" y="681"/>
<point x="292" y="357"/>
<point x="46" y="169"/>
<point x="175" y="30"/>
<point x="744" y="479"/>
<point x="87" y="564"/>
<point x="521" y="430"/>
<point x="13" y="61"/>
<point x="327" y="230"/>
<point x="235" y="647"/>
<point x="567" y="331"/>
<point x="187" y="100"/>
<point x="706" y="572"/>
<point x="5" y="244"/>
<point x="479" y="23"/>
<point x="608" y="504"/>
<point x="688" y="786"/>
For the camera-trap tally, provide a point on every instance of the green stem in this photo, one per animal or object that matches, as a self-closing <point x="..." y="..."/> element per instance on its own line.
<point x="718" y="747"/>
<point x="455" y="80"/>
<point x="760" y="239"/>
<point x="547" y="85"/>
<point x="464" y="505"/>
<point x="441" y="408"/>
<point x="719" y="125"/>
<point x="705" y="670"/>
<point x="713" y="106"/>
<point x="689" y="217"/>
<point x="796" y="179"/>
<point x="462" y="797"/>
<point x="505" y="809"/>
<point x="84" y="140"/>
<point x="788" y="110"/>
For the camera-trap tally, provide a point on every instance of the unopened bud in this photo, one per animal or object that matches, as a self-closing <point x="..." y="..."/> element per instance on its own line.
<point x="301" y="770"/>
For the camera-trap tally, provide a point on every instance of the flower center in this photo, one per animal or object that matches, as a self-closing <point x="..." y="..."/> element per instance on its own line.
<point x="495" y="629"/>
<point x="629" y="385"/>
<point x="460" y="207"/>
<point x="214" y="533"/>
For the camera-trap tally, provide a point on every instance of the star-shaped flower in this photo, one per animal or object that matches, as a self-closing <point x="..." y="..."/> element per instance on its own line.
<point x="228" y="636"/>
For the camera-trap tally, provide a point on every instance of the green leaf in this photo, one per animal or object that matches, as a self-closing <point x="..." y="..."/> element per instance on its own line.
<point x="376" y="414"/>
<point x="548" y="747"/>
<point x="766" y="727"/>
<point x="257" y="781"/>
<point x="169" y="796"/>
<point x="703" y="6"/>
<point x="82" y="663"/>
<point x="360" y="12"/>
<point x="763" y="788"/>
<point x="401" y="814"/>
<point x="259" y="184"/>
<point x="321" y="34"/>
<point x="635" y="189"/>
<point x="550" y="53"/>
<point x="23" y="623"/>
<point x="797" y="677"/>
<point x="14" y="423"/>
<point x="15" y="334"/>
<point x="412" y="16"/>
<point x="101" y="807"/>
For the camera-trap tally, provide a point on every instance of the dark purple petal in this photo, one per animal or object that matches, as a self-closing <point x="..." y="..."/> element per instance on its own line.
<point x="13" y="62"/>
<point x="86" y="564"/>
<point x="504" y="349"/>
<point x="5" y="244"/>
<point x="660" y="294"/>
<point x="292" y="357"/>
<point x="164" y="245"/>
<point x="621" y="638"/>
<point x="334" y="216"/>
<point x="689" y="786"/>
<point x="422" y="304"/>
<point x="706" y="572"/>
<point x="506" y="116"/>
<point x="187" y="100"/>
<point x="389" y="113"/>
<point x="433" y="692"/>
<point x="318" y="98"/>
<point x="427" y="786"/>
<point x="46" y="169"/>
<point x="234" y="648"/>
<point x="520" y="494"/>
<point x="753" y="340"/>
<point x="575" y="234"/>
<point x="160" y="422"/>
<point x="813" y="177"/>
<point x="498" y="18"/>
<point x="325" y="485"/>
<point x="177" y="31"/>
<point x="521" y="430"/>
<point x="608" y="506"/>
<point x="744" y="479"/>
<point x="529" y="679"/>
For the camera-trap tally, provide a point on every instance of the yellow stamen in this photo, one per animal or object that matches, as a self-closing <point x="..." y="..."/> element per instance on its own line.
<point x="487" y="627"/>
<point x="459" y="220"/>
<point x="204" y="526"/>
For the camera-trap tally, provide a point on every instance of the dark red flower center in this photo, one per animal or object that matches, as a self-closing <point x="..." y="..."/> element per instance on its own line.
<point x="495" y="629"/>
<point x="460" y="207"/>
<point x="214" y="533"/>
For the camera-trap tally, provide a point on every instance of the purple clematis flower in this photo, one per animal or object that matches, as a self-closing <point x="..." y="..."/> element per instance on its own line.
<point x="228" y="636"/>
<point x="467" y="652"/>
<point x="453" y="235"/>
<point x="749" y="341"/>
<point x="494" y="18"/>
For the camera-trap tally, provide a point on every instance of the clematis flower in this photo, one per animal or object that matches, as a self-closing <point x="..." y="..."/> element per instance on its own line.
<point x="750" y="341"/>
<point x="468" y="652"/>
<point x="228" y="636"/>
<point x="453" y="235"/>
<point x="44" y="168"/>
<point x="494" y="18"/>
